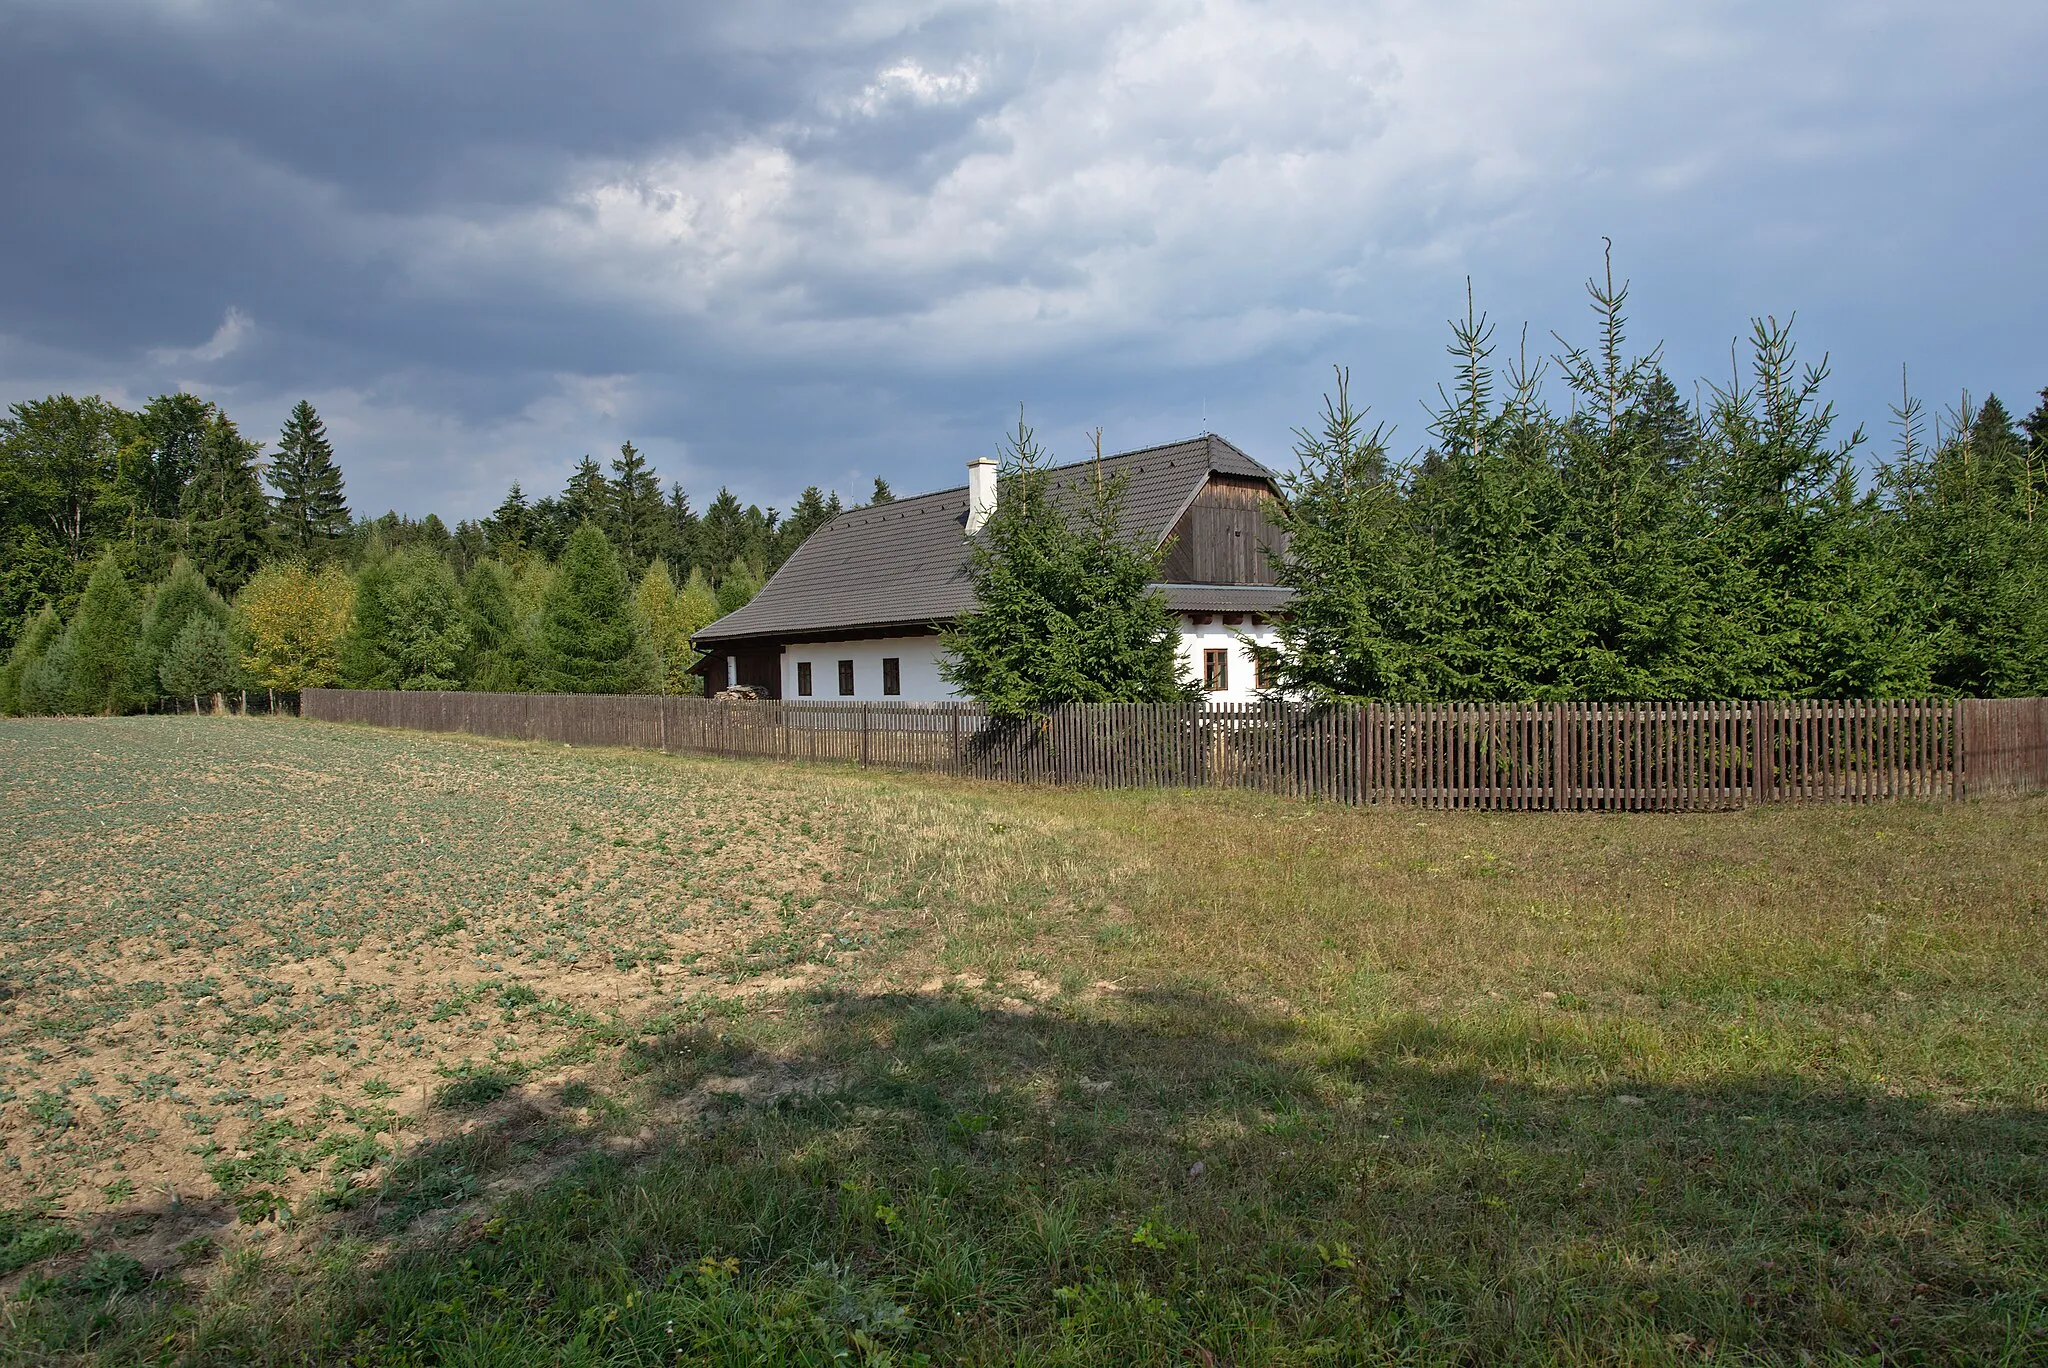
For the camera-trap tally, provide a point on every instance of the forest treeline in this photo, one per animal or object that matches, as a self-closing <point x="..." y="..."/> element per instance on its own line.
<point x="157" y="555"/>
<point x="1634" y="544"/>
<point x="1628" y="543"/>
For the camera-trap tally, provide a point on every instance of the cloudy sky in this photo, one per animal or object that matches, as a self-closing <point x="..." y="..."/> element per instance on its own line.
<point x="779" y="242"/>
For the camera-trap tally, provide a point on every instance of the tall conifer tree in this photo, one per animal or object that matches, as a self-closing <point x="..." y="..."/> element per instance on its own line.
<point x="101" y="644"/>
<point x="183" y="595"/>
<point x="633" y="513"/>
<point x="495" y="659"/>
<point x="312" y="512"/>
<point x="29" y="649"/>
<point x="226" y="515"/>
<point x="587" y="640"/>
<point x="408" y="631"/>
<point x="1064" y="609"/>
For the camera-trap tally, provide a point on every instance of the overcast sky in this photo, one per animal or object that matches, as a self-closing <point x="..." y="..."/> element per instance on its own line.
<point x="777" y="243"/>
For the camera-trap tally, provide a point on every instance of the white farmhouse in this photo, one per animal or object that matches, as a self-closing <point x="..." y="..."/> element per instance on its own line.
<point x="855" y="614"/>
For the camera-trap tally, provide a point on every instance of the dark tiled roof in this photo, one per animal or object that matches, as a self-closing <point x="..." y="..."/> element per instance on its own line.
<point x="1226" y="598"/>
<point x="905" y="563"/>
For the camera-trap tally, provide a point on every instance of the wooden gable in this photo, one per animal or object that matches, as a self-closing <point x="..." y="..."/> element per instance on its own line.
<point x="1225" y="534"/>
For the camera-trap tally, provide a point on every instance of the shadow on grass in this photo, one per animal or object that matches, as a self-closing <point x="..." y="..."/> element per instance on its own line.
<point x="1166" y="1178"/>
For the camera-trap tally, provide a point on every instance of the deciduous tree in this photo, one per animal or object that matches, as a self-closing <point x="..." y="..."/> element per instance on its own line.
<point x="295" y="619"/>
<point x="670" y="615"/>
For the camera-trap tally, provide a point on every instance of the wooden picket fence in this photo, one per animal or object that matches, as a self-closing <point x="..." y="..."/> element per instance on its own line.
<point x="1505" y="756"/>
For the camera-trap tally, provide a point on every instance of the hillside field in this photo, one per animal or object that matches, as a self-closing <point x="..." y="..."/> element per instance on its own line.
<point x="331" y="1044"/>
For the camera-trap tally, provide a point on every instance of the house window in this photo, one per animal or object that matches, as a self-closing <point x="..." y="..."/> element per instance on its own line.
<point x="1216" y="671"/>
<point x="803" y="679"/>
<point x="1259" y="673"/>
<point x="846" y="679"/>
<point x="892" y="675"/>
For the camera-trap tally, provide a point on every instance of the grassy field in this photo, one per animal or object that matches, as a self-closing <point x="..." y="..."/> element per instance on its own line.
<point x="323" y="1044"/>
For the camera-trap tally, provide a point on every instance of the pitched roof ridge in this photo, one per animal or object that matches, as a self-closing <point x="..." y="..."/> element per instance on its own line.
<point x="1197" y="440"/>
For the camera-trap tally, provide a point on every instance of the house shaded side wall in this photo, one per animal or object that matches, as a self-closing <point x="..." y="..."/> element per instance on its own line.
<point x="1225" y="535"/>
<point x="760" y="668"/>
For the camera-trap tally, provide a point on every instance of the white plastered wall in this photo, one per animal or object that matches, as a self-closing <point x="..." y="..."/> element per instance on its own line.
<point x="1216" y="635"/>
<point x="920" y="665"/>
<point x="920" y="668"/>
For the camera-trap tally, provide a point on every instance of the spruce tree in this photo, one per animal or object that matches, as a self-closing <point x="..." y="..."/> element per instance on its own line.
<point x="183" y="594"/>
<point x="408" y="631"/>
<point x="101" y="642"/>
<point x="311" y="511"/>
<point x="1796" y="571"/>
<point x="882" y="493"/>
<point x="495" y="660"/>
<point x="587" y="640"/>
<point x="1064" y="609"/>
<point x="29" y="649"/>
<point x="2035" y="426"/>
<point x="1342" y="515"/>
<point x="46" y="682"/>
<point x="680" y="537"/>
<point x="588" y="496"/>
<point x="509" y="529"/>
<point x="737" y="586"/>
<point x="734" y="533"/>
<point x="634" y="508"/>
<point x="1621" y="617"/>
<point x="1964" y="540"/>
<point x="201" y="661"/>
<point x="225" y="512"/>
<point x="813" y="510"/>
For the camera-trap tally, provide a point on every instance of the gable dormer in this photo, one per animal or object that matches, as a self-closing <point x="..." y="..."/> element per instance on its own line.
<point x="1227" y="534"/>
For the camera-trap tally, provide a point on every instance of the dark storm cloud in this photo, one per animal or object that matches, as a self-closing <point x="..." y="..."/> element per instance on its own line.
<point x="777" y="243"/>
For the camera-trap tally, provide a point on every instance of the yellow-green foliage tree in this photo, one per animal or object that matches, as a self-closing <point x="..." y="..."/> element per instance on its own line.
<point x="294" y="619"/>
<point x="669" y="616"/>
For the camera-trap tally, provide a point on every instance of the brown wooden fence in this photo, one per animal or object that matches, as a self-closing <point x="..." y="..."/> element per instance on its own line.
<point x="1526" y="756"/>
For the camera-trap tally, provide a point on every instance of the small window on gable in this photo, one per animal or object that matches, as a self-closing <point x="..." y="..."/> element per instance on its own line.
<point x="846" y="679"/>
<point x="803" y="679"/>
<point x="892" y="675"/>
<point x="1216" y="671"/>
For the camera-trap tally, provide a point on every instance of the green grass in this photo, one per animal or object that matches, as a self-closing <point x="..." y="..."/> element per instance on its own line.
<point x="1132" y="1078"/>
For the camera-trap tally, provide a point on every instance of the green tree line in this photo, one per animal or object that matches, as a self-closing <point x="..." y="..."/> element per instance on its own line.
<point x="80" y="477"/>
<point x="155" y="558"/>
<point x="1630" y="543"/>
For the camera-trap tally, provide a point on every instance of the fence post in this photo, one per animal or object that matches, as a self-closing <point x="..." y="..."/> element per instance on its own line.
<point x="1957" y="751"/>
<point x="1760" y="752"/>
<point x="863" y="733"/>
<point x="956" y="740"/>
